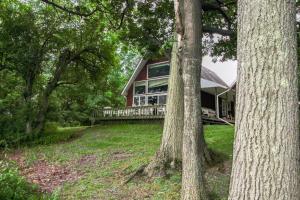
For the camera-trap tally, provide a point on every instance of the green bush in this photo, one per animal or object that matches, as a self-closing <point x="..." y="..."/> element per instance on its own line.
<point x="54" y="134"/>
<point x="51" y="127"/>
<point x="15" y="187"/>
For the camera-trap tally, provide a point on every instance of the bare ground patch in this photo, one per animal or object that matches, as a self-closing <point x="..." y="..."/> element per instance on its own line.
<point x="224" y="168"/>
<point x="120" y="155"/>
<point x="47" y="176"/>
<point x="87" y="160"/>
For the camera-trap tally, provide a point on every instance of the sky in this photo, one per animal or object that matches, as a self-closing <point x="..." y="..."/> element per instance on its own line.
<point x="227" y="70"/>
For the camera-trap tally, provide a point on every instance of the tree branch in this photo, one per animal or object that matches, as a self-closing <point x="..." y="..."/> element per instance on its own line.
<point x="69" y="10"/>
<point x="213" y="30"/>
<point x="218" y="8"/>
<point x="66" y="83"/>
<point x="123" y="15"/>
<point x="105" y="10"/>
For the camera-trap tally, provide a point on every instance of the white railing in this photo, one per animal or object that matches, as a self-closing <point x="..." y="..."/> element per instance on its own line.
<point x="142" y="111"/>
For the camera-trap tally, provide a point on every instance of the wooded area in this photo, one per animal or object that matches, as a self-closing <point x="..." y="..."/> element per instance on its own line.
<point x="60" y="61"/>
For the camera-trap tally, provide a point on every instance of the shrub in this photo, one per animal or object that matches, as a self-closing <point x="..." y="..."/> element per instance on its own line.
<point x="15" y="187"/>
<point x="51" y="127"/>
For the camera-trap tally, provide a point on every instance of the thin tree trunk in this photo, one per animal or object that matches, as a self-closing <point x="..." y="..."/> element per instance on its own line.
<point x="61" y="66"/>
<point x="170" y="151"/>
<point x="266" y="149"/>
<point x="27" y="94"/>
<point x="192" y="153"/>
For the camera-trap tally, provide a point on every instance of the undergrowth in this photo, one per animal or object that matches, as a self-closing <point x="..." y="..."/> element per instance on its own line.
<point x="14" y="187"/>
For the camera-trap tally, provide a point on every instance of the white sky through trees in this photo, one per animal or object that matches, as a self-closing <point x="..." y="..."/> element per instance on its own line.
<point x="227" y="70"/>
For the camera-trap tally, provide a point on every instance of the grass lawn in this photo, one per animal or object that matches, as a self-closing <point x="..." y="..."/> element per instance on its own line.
<point x="102" y="156"/>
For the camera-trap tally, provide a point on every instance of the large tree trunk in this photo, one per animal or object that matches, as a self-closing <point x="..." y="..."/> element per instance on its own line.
<point x="61" y="66"/>
<point x="170" y="151"/>
<point x="266" y="150"/>
<point x="192" y="152"/>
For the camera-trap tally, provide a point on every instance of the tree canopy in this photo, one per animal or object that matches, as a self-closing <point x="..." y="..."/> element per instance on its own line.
<point x="55" y="66"/>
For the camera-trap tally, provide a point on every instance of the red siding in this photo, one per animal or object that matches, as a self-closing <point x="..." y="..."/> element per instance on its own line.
<point x="129" y="97"/>
<point x="142" y="75"/>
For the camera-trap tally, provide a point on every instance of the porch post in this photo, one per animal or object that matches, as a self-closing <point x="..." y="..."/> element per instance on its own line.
<point x="216" y="102"/>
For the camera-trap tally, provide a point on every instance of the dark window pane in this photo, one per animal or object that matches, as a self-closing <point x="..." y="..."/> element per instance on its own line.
<point x="136" y="101"/>
<point x="140" y="89"/>
<point x="152" y="100"/>
<point x="142" y="100"/>
<point x="158" y="86"/>
<point x="162" y="99"/>
<point x="155" y="71"/>
<point x="163" y="88"/>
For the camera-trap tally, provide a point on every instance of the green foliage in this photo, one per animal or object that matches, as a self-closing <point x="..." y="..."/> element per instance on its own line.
<point x="33" y="37"/>
<point x="14" y="187"/>
<point x="54" y="134"/>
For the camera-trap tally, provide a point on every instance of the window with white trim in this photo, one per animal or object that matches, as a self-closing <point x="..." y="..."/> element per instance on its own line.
<point x="158" y="86"/>
<point x="139" y="100"/>
<point x="157" y="100"/>
<point x="158" y="70"/>
<point x="139" y="87"/>
<point x="162" y="99"/>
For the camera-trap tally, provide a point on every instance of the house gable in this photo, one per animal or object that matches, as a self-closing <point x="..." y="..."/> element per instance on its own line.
<point x="140" y="80"/>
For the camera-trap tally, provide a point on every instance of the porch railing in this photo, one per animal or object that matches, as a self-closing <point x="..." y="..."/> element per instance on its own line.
<point x="142" y="112"/>
<point x="156" y="111"/>
<point x="145" y="113"/>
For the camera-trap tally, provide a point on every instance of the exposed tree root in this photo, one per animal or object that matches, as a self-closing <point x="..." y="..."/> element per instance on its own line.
<point x="139" y="171"/>
<point x="160" y="165"/>
<point x="156" y="168"/>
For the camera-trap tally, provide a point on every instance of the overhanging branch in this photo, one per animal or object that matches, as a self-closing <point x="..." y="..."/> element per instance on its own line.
<point x="69" y="10"/>
<point x="100" y="7"/>
<point x="213" y="30"/>
<point x="217" y="7"/>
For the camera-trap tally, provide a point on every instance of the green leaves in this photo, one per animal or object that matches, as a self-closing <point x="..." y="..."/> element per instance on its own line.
<point x="32" y="37"/>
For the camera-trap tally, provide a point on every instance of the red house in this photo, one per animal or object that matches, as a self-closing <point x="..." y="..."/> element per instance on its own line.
<point x="148" y="85"/>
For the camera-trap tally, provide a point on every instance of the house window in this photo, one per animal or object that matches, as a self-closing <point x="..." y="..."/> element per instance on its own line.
<point x="139" y="100"/>
<point x="142" y="100"/>
<point x="152" y="100"/>
<point x="158" y="86"/>
<point x="162" y="100"/>
<point x="140" y="87"/>
<point x="157" y="100"/>
<point x="158" y="70"/>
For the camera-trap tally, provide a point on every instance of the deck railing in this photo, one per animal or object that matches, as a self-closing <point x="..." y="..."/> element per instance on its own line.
<point x="142" y="112"/>
<point x="156" y="111"/>
<point x="145" y="112"/>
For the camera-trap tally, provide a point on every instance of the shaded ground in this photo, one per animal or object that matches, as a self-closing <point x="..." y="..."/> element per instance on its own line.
<point x="47" y="176"/>
<point x="95" y="165"/>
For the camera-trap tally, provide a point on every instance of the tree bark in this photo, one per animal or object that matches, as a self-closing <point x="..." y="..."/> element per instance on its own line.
<point x="170" y="151"/>
<point x="29" y="77"/>
<point x="192" y="153"/>
<point x="61" y="65"/>
<point x="28" y="106"/>
<point x="266" y="148"/>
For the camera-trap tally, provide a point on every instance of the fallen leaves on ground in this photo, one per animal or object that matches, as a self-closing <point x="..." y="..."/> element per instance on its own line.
<point x="47" y="176"/>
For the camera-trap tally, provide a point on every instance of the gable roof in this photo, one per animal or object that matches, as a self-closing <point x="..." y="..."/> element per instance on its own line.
<point x="208" y="77"/>
<point x="212" y="76"/>
<point x="137" y="70"/>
